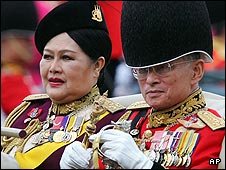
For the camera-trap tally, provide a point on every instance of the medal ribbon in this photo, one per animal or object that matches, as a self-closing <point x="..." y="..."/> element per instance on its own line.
<point x="194" y="142"/>
<point x="156" y="140"/>
<point x="71" y="123"/>
<point x="172" y="141"/>
<point x="57" y="122"/>
<point x="165" y="140"/>
<point x="181" y="142"/>
<point x="177" y="140"/>
<point x="65" y="123"/>
<point x="187" y="142"/>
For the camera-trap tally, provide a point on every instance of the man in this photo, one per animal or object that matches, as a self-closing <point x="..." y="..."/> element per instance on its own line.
<point x="75" y="46"/>
<point x="166" y="45"/>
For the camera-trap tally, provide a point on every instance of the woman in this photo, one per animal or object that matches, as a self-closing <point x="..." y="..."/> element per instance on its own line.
<point x="75" y="46"/>
<point x="176" y="126"/>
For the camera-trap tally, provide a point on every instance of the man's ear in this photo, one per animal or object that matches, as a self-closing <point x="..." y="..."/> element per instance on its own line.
<point x="197" y="71"/>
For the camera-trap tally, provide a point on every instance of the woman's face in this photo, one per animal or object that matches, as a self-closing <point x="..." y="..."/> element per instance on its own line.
<point x="67" y="72"/>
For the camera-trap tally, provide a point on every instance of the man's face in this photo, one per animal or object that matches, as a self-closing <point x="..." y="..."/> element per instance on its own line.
<point x="162" y="92"/>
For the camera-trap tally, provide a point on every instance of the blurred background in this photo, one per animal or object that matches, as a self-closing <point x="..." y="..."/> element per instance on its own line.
<point x="20" y="59"/>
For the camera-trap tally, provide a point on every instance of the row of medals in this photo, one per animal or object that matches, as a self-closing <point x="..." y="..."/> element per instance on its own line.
<point x="48" y="134"/>
<point x="168" y="156"/>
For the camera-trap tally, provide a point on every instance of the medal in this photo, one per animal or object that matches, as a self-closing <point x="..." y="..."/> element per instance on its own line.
<point x="169" y="160"/>
<point x="184" y="159"/>
<point x="165" y="158"/>
<point x="58" y="136"/>
<point x="39" y="138"/>
<point x="51" y="133"/>
<point x="179" y="161"/>
<point x="66" y="137"/>
<point x="176" y="159"/>
<point x="161" y="158"/>
<point x="172" y="159"/>
<point x="157" y="156"/>
<point x="188" y="161"/>
<point x="76" y="128"/>
<point x="62" y="135"/>
<point x="150" y="154"/>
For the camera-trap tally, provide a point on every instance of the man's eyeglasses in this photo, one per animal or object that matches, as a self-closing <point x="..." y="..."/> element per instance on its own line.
<point x="160" y="70"/>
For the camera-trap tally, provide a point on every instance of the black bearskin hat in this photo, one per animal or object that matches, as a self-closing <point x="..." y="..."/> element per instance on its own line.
<point x="155" y="32"/>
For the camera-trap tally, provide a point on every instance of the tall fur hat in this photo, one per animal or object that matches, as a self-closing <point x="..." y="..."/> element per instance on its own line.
<point x="156" y="32"/>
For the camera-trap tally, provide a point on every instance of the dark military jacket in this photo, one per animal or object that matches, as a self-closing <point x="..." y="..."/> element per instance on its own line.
<point x="30" y="115"/>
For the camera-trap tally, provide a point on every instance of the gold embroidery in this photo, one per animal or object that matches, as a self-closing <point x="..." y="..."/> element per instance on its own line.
<point x="63" y="109"/>
<point x="136" y="105"/>
<point x="168" y="117"/>
<point x="110" y="105"/>
<point x="9" y="143"/>
<point x="35" y="97"/>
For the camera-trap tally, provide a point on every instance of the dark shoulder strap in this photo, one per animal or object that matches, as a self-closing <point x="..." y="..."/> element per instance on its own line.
<point x="135" y="117"/>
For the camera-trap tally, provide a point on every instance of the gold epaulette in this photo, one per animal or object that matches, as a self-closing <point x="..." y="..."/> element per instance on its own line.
<point x="36" y="97"/>
<point x="138" y="105"/>
<point x="112" y="106"/>
<point x="211" y="120"/>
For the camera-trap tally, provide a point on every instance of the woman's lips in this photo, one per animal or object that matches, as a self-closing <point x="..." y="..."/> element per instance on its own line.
<point x="55" y="82"/>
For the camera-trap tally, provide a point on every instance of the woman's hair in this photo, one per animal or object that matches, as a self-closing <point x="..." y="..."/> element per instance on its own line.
<point x="94" y="43"/>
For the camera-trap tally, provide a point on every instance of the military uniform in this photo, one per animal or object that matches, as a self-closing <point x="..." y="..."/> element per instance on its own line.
<point x="189" y="134"/>
<point x="51" y="127"/>
<point x="177" y="137"/>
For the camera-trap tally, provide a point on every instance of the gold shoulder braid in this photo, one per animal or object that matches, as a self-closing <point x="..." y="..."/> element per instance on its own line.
<point x="35" y="97"/>
<point x="11" y="119"/>
<point x="169" y="117"/>
<point x="8" y="143"/>
<point x="211" y="120"/>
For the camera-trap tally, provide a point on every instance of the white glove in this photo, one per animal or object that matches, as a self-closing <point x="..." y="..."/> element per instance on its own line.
<point x="120" y="147"/>
<point x="75" y="156"/>
<point x="8" y="162"/>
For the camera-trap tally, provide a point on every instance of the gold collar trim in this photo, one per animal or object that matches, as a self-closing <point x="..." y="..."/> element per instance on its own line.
<point x="168" y="117"/>
<point x="64" y="109"/>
